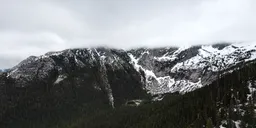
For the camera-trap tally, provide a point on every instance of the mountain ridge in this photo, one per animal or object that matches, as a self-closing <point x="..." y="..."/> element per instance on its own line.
<point x="88" y="78"/>
<point x="160" y="64"/>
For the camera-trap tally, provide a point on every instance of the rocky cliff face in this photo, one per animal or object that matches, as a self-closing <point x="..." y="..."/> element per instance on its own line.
<point x="87" y="72"/>
<point x="186" y="69"/>
<point x="119" y="75"/>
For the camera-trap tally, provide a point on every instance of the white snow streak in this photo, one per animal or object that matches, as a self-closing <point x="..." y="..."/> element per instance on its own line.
<point x="59" y="79"/>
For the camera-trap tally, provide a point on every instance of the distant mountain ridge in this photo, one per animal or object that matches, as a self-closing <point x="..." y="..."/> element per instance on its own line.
<point x="93" y="79"/>
<point x="3" y="70"/>
<point x="164" y="69"/>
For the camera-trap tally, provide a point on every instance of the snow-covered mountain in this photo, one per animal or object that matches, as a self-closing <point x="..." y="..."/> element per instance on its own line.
<point x="81" y="79"/>
<point x="160" y="70"/>
<point x="186" y="69"/>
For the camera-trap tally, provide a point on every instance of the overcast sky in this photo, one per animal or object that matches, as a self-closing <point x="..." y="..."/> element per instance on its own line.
<point x="33" y="27"/>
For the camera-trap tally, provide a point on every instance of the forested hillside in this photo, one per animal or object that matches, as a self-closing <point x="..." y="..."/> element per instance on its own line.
<point x="228" y="102"/>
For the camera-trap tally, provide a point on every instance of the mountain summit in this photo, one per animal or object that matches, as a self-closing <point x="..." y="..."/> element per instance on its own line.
<point x="160" y="70"/>
<point x="79" y="77"/>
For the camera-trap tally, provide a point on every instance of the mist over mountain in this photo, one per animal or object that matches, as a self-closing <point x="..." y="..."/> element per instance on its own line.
<point x="127" y="64"/>
<point x="30" y="27"/>
<point x="202" y="85"/>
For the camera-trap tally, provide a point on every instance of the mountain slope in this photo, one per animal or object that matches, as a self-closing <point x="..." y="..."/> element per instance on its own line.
<point x="165" y="69"/>
<point x="226" y="103"/>
<point x="229" y="102"/>
<point x="186" y="69"/>
<point x="78" y="80"/>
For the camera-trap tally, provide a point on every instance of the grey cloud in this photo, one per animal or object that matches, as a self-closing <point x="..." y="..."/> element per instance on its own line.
<point x="33" y="27"/>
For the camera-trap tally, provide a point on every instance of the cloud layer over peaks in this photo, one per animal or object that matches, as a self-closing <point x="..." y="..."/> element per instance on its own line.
<point x="33" y="27"/>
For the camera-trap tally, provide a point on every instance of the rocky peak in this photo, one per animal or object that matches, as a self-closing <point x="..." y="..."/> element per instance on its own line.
<point x="161" y="70"/>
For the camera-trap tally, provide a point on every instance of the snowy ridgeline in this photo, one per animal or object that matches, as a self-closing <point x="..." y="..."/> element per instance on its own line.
<point x="159" y="79"/>
<point x="208" y="59"/>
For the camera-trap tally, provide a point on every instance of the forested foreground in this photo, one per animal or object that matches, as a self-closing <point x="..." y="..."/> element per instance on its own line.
<point x="228" y="102"/>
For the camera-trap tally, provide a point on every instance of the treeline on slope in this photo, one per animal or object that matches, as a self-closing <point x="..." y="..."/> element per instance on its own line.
<point x="208" y="106"/>
<point x="224" y="100"/>
<point x="43" y="104"/>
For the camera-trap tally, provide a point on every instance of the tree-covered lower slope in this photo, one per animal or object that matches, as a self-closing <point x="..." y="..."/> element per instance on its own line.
<point x="228" y="102"/>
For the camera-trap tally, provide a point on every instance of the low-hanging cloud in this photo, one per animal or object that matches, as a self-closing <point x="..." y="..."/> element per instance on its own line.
<point x="33" y="27"/>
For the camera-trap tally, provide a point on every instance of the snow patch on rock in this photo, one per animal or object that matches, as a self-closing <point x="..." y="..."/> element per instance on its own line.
<point x="59" y="79"/>
<point x="208" y="59"/>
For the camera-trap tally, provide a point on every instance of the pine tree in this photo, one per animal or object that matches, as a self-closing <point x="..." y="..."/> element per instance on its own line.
<point x="209" y="123"/>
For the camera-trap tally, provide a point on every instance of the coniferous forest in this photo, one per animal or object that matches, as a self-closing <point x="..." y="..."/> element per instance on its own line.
<point x="227" y="102"/>
<point x="127" y="63"/>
